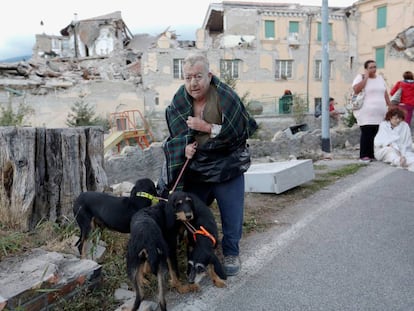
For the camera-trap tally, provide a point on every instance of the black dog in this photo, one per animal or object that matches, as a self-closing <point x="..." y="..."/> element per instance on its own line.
<point x="92" y="209"/>
<point x="146" y="246"/>
<point x="184" y="207"/>
<point x="202" y="259"/>
<point x="161" y="214"/>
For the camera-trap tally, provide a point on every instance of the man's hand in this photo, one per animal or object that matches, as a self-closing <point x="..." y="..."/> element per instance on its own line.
<point x="198" y="124"/>
<point x="190" y="150"/>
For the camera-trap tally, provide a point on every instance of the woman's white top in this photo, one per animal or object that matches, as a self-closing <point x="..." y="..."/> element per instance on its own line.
<point x="375" y="107"/>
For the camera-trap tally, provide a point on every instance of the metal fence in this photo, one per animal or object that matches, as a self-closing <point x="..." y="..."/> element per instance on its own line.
<point x="279" y="105"/>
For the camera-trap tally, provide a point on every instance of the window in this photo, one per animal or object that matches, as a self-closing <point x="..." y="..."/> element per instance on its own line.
<point x="283" y="69"/>
<point x="293" y="27"/>
<point x="381" y="17"/>
<point x="318" y="69"/>
<point x="178" y="68"/>
<point x="56" y="44"/>
<point x="269" y="29"/>
<point x="293" y="31"/>
<point x="380" y="57"/>
<point x="320" y="32"/>
<point x="229" y="68"/>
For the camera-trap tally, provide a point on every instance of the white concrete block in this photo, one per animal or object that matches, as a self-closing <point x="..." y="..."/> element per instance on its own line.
<point x="278" y="177"/>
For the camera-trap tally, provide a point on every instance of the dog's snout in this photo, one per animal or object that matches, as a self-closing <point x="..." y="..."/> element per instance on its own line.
<point x="188" y="216"/>
<point x="191" y="272"/>
<point x="200" y="268"/>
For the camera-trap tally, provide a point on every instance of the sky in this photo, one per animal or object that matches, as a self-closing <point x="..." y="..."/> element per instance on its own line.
<point x="21" y="19"/>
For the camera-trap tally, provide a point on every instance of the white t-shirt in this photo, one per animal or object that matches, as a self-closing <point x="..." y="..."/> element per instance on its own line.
<point x="375" y="107"/>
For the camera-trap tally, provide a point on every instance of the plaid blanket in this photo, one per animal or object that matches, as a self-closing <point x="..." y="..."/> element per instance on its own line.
<point x="237" y="126"/>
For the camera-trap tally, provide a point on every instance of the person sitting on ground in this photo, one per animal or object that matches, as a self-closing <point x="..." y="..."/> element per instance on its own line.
<point x="393" y="142"/>
<point x="333" y="113"/>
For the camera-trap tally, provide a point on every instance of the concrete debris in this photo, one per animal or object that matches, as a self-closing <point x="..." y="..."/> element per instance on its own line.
<point x="404" y="42"/>
<point x="122" y="188"/>
<point x="22" y="277"/>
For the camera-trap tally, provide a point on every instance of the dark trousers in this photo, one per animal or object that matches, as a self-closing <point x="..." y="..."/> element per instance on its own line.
<point x="366" y="142"/>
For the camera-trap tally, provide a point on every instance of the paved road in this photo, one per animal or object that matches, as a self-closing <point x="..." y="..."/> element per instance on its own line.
<point x="349" y="247"/>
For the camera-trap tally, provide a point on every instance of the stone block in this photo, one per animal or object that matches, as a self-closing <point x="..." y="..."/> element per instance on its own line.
<point x="278" y="177"/>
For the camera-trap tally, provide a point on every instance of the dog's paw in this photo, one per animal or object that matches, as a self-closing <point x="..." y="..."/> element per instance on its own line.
<point x="187" y="288"/>
<point x="219" y="283"/>
<point x="194" y="287"/>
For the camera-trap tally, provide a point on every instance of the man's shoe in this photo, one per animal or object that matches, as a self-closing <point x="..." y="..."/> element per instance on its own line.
<point x="232" y="265"/>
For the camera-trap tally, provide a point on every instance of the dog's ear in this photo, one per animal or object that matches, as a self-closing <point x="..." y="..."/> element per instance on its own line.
<point x="133" y="192"/>
<point x="218" y="267"/>
<point x="197" y="202"/>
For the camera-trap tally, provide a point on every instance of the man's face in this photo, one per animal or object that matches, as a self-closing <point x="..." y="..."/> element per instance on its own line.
<point x="197" y="80"/>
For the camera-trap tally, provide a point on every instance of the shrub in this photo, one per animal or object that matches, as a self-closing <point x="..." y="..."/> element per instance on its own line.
<point x="16" y="116"/>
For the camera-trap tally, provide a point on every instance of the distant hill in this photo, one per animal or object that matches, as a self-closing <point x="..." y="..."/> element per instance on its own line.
<point x="16" y="59"/>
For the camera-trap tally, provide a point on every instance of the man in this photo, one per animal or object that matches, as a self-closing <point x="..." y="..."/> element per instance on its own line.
<point x="209" y="126"/>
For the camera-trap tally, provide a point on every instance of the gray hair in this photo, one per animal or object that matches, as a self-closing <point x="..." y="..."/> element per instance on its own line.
<point x="194" y="58"/>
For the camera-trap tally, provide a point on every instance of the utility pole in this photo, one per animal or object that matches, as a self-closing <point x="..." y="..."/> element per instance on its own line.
<point x="326" y="140"/>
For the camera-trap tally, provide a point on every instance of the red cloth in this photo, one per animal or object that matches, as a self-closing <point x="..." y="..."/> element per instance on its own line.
<point x="331" y="107"/>
<point x="407" y="96"/>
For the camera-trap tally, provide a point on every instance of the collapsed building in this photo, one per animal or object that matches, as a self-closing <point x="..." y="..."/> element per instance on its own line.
<point x="265" y="47"/>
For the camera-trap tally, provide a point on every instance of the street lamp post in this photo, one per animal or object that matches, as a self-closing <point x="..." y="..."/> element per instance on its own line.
<point x="326" y="141"/>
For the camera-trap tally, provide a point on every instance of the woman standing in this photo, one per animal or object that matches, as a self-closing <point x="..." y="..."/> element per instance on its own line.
<point x="373" y="110"/>
<point x="407" y="95"/>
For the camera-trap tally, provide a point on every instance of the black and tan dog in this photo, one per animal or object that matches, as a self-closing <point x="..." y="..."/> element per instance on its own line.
<point x="202" y="259"/>
<point x="97" y="209"/>
<point x="147" y="248"/>
<point x="202" y="233"/>
<point x="148" y="251"/>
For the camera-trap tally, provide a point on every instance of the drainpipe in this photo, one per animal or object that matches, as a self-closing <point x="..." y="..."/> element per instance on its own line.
<point x="74" y="23"/>
<point x="310" y="15"/>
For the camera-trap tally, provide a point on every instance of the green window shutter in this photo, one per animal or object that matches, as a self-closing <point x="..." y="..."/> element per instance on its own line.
<point x="319" y="38"/>
<point x="293" y="27"/>
<point x="270" y="29"/>
<point x="381" y="17"/>
<point x="380" y="57"/>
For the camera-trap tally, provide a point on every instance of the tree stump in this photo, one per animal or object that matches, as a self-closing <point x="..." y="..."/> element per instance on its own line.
<point x="44" y="170"/>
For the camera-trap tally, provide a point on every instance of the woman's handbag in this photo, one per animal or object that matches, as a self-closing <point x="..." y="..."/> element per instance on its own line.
<point x="396" y="98"/>
<point x="357" y="100"/>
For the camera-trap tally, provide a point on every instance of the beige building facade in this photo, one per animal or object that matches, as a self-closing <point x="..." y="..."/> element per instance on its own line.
<point x="269" y="48"/>
<point x="385" y="33"/>
<point x="266" y="48"/>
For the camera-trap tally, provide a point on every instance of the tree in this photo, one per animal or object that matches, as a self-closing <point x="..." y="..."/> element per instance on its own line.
<point x="82" y="114"/>
<point x="10" y="116"/>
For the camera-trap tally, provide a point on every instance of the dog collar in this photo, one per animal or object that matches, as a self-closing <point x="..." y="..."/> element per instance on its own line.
<point x="154" y="200"/>
<point x="204" y="232"/>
